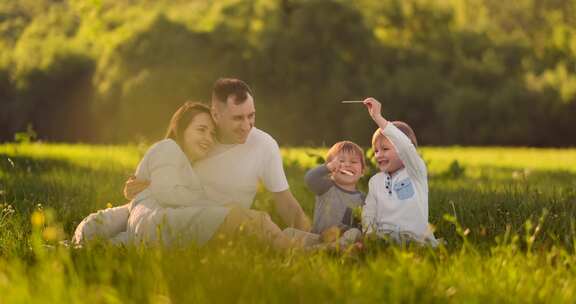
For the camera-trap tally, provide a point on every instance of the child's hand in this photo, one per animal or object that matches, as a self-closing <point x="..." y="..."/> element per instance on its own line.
<point x="330" y="234"/>
<point x="375" y="111"/>
<point x="334" y="165"/>
<point x="374" y="107"/>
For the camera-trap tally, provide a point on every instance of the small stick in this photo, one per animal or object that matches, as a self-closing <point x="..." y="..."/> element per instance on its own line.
<point x="346" y="172"/>
<point x="353" y="101"/>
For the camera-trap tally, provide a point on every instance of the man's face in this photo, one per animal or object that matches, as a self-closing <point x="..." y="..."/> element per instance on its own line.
<point x="234" y="121"/>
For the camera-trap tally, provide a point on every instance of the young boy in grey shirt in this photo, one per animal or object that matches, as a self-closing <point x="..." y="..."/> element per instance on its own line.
<point x="334" y="184"/>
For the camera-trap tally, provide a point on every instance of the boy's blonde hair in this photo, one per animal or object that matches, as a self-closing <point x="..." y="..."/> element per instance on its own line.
<point x="346" y="147"/>
<point x="402" y="126"/>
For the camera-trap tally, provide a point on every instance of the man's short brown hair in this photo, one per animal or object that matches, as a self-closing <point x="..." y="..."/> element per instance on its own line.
<point x="402" y="126"/>
<point x="346" y="147"/>
<point x="225" y="87"/>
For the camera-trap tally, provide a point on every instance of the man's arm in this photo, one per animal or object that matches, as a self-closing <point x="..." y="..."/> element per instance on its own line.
<point x="290" y="211"/>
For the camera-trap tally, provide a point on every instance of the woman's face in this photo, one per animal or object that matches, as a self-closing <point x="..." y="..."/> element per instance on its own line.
<point x="198" y="137"/>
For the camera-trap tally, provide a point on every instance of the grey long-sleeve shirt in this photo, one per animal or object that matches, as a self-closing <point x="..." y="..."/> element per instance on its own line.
<point x="333" y="205"/>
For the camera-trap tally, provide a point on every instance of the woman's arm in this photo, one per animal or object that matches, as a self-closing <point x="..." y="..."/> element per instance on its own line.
<point x="172" y="179"/>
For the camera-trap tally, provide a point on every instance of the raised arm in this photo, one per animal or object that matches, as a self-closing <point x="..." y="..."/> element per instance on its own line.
<point x="318" y="179"/>
<point x="406" y="150"/>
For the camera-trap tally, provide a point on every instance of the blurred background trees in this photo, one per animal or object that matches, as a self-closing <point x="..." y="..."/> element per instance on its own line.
<point x="475" y="72"/>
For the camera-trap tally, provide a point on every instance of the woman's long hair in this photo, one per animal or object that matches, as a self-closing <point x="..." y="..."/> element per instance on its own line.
<point x="182" y="118"/>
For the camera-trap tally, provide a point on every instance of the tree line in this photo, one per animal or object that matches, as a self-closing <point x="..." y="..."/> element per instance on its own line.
<point x="475" y="72"/>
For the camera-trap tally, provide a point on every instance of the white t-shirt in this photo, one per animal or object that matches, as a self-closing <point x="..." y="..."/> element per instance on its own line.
<point x="231" y="173"/>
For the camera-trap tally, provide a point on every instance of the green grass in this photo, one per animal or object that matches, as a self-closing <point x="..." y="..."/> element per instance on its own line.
<point x="506" y="214"/>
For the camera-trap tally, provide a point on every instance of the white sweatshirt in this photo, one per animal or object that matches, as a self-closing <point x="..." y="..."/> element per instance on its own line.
<point x="403" y="206"/>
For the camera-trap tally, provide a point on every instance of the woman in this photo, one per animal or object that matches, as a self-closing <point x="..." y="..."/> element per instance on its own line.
<point x="156" y="214"/>
<point x="174" y="208"/>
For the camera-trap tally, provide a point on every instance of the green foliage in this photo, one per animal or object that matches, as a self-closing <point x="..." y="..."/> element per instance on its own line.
<point x="460" y="72"/>
<point x="455" y="170"/>
<point x="26" y="136"/>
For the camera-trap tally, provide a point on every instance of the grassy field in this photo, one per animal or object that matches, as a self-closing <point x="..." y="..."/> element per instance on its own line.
<point x="506" y="214"/>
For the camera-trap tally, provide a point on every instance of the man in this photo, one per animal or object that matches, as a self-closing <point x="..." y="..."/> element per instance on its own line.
<point x="231" y="172"/>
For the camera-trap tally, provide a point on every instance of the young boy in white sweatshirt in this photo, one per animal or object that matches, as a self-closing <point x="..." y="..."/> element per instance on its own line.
<point x="397" y="201"/>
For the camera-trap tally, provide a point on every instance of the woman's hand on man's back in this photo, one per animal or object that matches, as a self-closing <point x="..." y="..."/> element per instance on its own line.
<point x="133" y="186"/>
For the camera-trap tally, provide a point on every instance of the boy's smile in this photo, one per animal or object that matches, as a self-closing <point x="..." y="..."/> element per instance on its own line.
<point x="350" y="170"/>
<point x="386" y="156"/>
